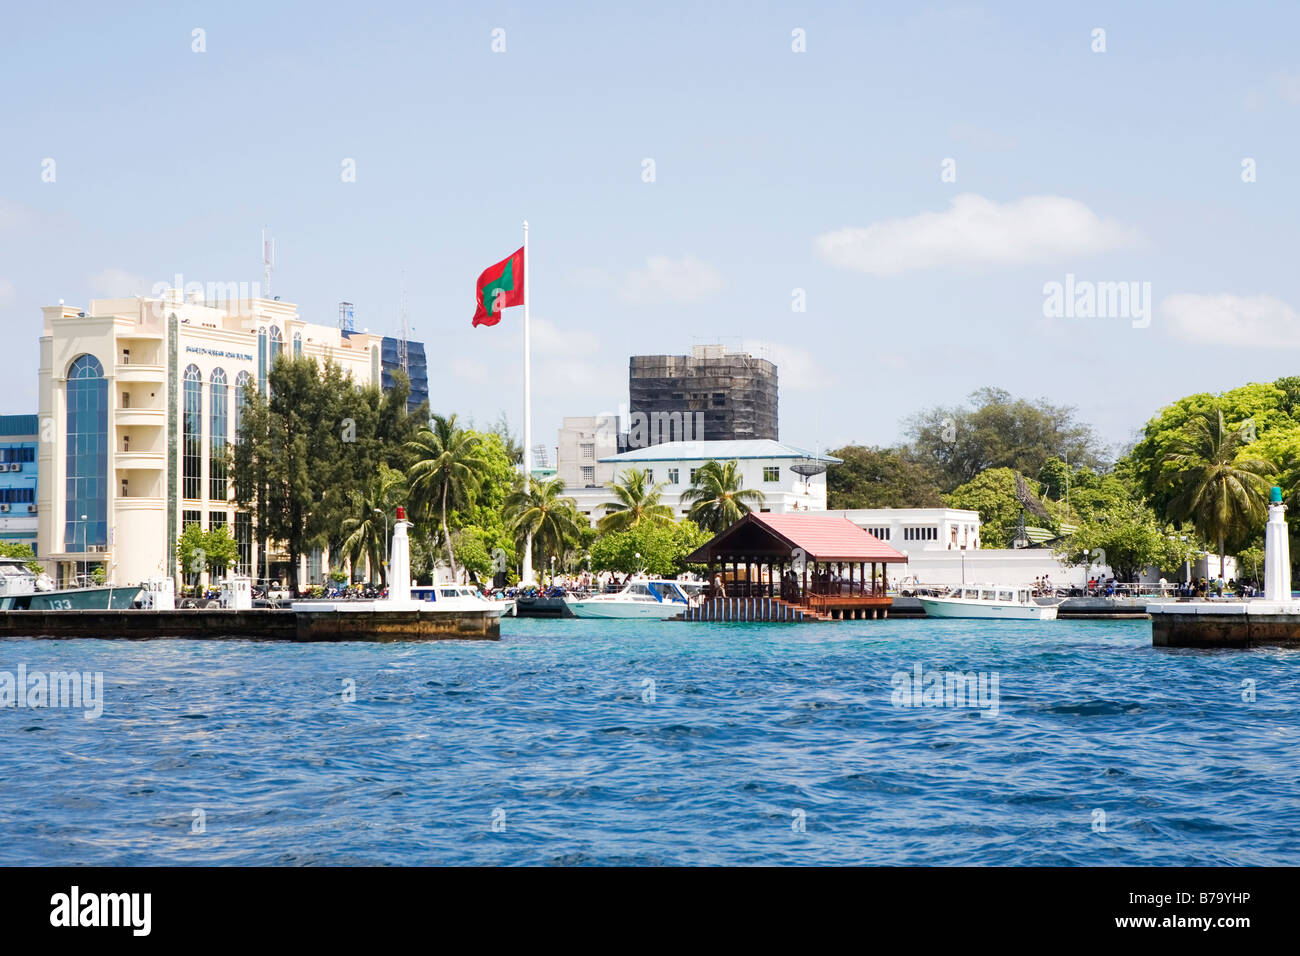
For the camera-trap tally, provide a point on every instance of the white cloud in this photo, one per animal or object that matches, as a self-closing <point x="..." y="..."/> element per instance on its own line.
<point x="6" y="292"/>
<point x="116" y="283"/>
<point x="1288" y="87"/>
<point x="975" y="231"/>
<point x="662" y="280"/>
<point x="1228" y="320"/>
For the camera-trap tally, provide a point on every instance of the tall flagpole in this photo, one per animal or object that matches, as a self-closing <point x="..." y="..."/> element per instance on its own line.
<point x="527" y="575"/>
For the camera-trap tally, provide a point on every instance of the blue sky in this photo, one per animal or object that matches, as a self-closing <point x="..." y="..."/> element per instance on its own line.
<point x="774" y="171"/>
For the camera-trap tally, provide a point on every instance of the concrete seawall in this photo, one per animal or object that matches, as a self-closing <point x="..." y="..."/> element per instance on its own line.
<point x="258" y="624"/>
<point x="1238" y="625"/>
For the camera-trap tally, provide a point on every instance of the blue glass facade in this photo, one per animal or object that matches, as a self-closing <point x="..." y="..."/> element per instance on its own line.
<point x="19" y="437"/>
<point x="261" y="361"/>
<point x="242" y="381"/>
<point x="86" y="455"/>
<point x="417" y="367"/>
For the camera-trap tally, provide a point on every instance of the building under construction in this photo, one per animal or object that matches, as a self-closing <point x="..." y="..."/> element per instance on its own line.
<point x="710" y="395"/>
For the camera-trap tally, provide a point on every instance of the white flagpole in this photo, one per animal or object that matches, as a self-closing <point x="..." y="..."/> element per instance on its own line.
<point x="527" y="575"/>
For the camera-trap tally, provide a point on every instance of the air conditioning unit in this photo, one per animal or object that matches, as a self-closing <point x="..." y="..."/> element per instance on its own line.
<point x="4" y="466"/>
<point x="4" y="507"/>
<point x="31" y="509"/>
<point x="16" y="466"/>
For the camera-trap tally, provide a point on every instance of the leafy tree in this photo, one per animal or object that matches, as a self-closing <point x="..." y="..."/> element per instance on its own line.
<point x="873" y="477"/>
<point x="11" y="549"/>
<point x="538" y="512"/>
<point x="993" y="494"/>
<point x="212" y="551"/>
<point x="1128" y="538"/>
<point x="445" y="471"/>
<point x="368" y="527"/>
<point x="222" y="550"/>
<point x="1217" y="486"/>
<point x="996" y="431"/>
<point x="659" y="549"/>
<point x="637" y="501"/>
<point x="716" y="497"/>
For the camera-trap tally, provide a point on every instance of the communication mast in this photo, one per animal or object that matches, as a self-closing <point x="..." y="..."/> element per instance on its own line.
<point x="268" y="261"/>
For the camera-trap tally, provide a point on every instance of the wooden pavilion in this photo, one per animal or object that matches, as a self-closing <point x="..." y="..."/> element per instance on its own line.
<point x="782" y="567"/>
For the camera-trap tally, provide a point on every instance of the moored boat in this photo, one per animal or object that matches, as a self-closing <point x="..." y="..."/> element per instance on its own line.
<point x="641" y="598"/>
<point x="22" y="590"/>
<point x="990" y="601"/>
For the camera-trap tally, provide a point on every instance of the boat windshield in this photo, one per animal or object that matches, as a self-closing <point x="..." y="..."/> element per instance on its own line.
<point x="666" y="591"/>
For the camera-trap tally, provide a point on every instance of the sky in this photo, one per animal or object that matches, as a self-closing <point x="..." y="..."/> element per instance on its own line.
<point x="878" y="197"/>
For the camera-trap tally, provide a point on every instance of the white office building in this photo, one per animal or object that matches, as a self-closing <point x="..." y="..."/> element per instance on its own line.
<point x="140" y="399"/>
<point x="771" y="467"/>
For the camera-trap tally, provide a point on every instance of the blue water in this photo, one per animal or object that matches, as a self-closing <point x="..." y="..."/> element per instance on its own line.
<point x="746" y="731"/>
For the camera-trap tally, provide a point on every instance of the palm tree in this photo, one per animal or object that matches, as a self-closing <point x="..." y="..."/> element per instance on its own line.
<point x="445" y="471"/>
<point x="1217" y="487"/>
<point x="541" y="516"/>
<point x="365" y="530"/>
<point x="638" y="500"/>
<point x="718" y="500"/>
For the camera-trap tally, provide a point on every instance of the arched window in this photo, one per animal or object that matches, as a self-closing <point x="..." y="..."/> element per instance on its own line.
<point x="241" y="386"/>
<point x="297" y="345"/>
<point x="218" y="393"/>
<point x="192" y="435"/>
<point x="277" y="344"/>
<point x="86" y="515"/>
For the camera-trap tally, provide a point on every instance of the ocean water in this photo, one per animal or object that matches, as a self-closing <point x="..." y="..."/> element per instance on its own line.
<point x="584" y="742"/>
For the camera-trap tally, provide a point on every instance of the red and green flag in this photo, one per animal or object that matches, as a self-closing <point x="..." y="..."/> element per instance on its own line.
<point x="499" y="287"/>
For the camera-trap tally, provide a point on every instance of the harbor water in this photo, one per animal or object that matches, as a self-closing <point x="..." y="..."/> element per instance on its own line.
<point x="607" y="742"/>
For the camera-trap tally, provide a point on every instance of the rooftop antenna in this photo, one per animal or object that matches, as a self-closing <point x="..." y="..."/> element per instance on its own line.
<point x="268" y="261"/>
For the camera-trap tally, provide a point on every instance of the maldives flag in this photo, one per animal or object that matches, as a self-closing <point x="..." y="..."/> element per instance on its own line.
<point x="499" y="287"/>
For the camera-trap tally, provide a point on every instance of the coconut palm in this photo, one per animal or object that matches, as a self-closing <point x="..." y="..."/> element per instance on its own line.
<point x="638" y="500"/>
<point x="541" y="517"/>
<point x="716" y="497"/>
<point x="1219" y="488"/>
<point x="445" y="472"/>
<point x="365" y="529"/>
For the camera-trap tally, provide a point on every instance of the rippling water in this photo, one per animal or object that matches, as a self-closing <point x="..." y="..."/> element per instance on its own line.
<point x="634" y="743"/>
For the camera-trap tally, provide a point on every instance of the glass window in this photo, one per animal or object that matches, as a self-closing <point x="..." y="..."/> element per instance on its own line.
<point x="672" y="476"/>
<point x="218" y="394"/>
<point x="771" y="473"/>
<point x="277" y="344"/>
<point x="261" y="361"/>
<point x="192" y="435"/>
<point x="241" y="399"/>
<point x="86" y="516"/>
<point x="244" y="539"/>
<point x="297" y="345"/>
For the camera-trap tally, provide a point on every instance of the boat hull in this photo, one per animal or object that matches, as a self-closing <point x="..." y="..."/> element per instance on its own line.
<point x="75" y="599"/>
<point x="625" y="610"/>
<point x="945" y="607"/>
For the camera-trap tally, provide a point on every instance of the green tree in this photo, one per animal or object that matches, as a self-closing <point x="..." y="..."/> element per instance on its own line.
<point x="994" y="431"/>
<point x="880" y="478"/>
<point x="1127" y="537"/>
<point x="366" y="529"/>
<point x="221" y="550"/>
<point x="638" y="500"/>
<point x="659" y="549"/>
<point x="716" y="497"/>
<point x="1218" y="487"/>
<point x="12" y="549"/>
<point x="444" y="473"/>
<point x="538" y="512"/>
<point x="993" y="494"/>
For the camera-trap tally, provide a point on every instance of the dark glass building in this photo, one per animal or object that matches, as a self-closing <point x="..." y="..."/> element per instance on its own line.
<point x="710" y="395"/>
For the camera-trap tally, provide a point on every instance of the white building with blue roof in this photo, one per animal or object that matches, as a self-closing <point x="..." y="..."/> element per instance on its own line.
<point x="791" y="478"/>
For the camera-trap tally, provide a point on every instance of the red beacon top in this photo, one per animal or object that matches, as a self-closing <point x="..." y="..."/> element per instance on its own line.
<point x="401" y="513"/>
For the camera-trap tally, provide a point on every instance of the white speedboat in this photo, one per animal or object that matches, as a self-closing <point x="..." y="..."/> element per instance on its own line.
<point x="650" y="598"/>
<point x="991" y="601"/>
<point x="460" y="597"/>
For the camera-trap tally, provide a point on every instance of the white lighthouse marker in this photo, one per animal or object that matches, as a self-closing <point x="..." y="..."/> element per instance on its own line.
<point x="1277" y="552"/>
<point x="399" y="561"/>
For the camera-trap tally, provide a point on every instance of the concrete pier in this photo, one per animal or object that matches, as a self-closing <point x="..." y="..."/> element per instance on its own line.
<point x="1238" y="624"/>
<point x="258" y="624"/>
